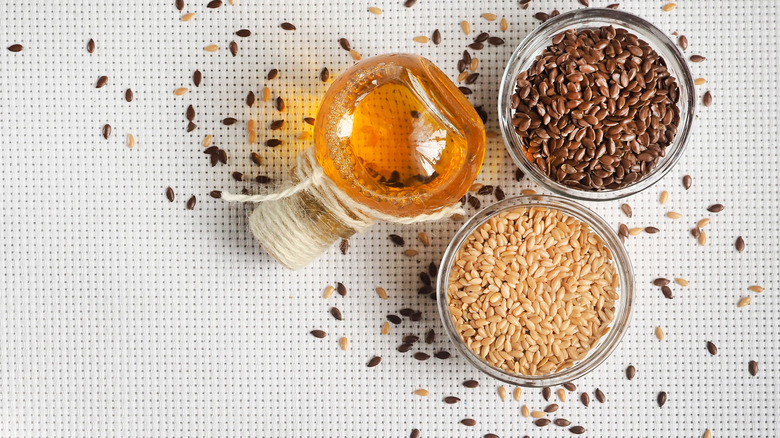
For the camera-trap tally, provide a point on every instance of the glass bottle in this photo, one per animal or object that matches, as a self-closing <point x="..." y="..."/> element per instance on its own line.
<point x="394" y="139"/>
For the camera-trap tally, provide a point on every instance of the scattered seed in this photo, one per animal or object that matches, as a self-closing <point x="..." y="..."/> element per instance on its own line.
<point x="706" y="100"/>
<point x="743" y="302"/>
<point x="667" y="291"/>
<point x="397" y="240"/>
<point x="491" y="435"/>
<point x="585" y="398"/>
<point x="130" y="141"/>
<point x="474" y="64"/>
<point x="627" y="210"/>
<point x="16" y="48"/>
<point x="272" y="74"/>
<point x="309" y="120"/>
<point x="683" y="41"/>
<point x="489" y="17"/>
<point x="542" y="16"/>
<point x="613" y="6"/>
<point x="430" y="337"/>
<point x="551" y="408"/>
<point x="262" y="179"/>
<point x="623" y="230"/>
<point x="600" y="396"/>
<point x="659" y="333"/>
<point x="410" y="252"/>
<point x="279" y="103"/>
<point x="395" y="319"/>
<point x="504" y="25"/>
<point x="227" y="121"/>
<point x="169" y="194"/>
<point x="409" y="3"/>
<point x="424" y="239"/>
<point x="651" y="230"/>
<point x="462" y="76"/>
<point x="106" y="131"/>
<point x="661" y="399"/>
<point x="577" y="430"/>
<point x="324" y="74"/>
<point x="191" y="203"/>
<point x="702" y="238"/>
<point x="753" y="367"/>
<point x="703" y="223"/>
<point x="328" y="292"/>
<point x="344" y="43"/>
<point x="562" y="422"/>
<point x="188" y="16"/>
<point x="374" y="361"/>
<point x="673" y="215"/>
<point x="517" y="393"/>
<point x="630" y="372"/>
<point x="562" y="394"/>
<point x="421" y="356"/>
<point x="570" y="386"/>
<point x="243" y="33"/>
<point x="385" y="328"/>
<point x="336" y="313"/>
<point x="542" y="422"/>
<point x="197" y="77"/>
<point x="190" y="113"/>
<point x="101" y="82"/>
<point x="469" y="422"/>
<point x="756" y="288"/>
<point x="421" y="392"/>
<point x="180" y="91"/>
<point x="740" y="244"/>
<point x="442" y="355"/>
<point x="696" y="232"/>
<point x="191" y="127"/>
<point x="635" y="231"/>
<point x="699" y="81"/>
<point x="470" y="383"/>
<point x="180" y="4"/>
<point x="669" y="6"/>
<point x="465" y="26"/>
<point x="233" y="48"/>
<point x="355" y="55"/>
<point x="287" y="26"/>
<point x="697" y="58"/>
<point x="712" y="348"/>
<point x="687" y="182"/>
<point x="585" y="3"/>
<point x="681" y="281"/>
<point x="213" y="4"/>
<point x="266" y="94"/>
<point x="344" y="343"/>
<point x="661" y="281"/>
<point x="207" y="141"/>
<point x="436" y="37"/>
<point x="525" y="411"/>
<point x="91" y="45"/>
<point x="537" y="414"/>
<point x="129" y="95"/>
<point x="502" y="393"/>
<point x="238" y="176"/>
<point x="341" y="289"/>
<point x="715" y="208"/>
<point x="211" y="48"/>
<point x="415" y="433"/>
<point x="664" y="197"/>
<point x="422" y="39"/>
<point x="546" y="393"/>
<point x="707" y="434"/>
<point x="318" y="334"/>
<point x="382" y="293"/>
<point x="374" y="10"/>
<point x="451" y="400"/>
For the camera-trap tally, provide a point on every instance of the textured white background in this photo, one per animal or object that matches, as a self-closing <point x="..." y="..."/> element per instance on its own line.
<point x="124" y="315"/>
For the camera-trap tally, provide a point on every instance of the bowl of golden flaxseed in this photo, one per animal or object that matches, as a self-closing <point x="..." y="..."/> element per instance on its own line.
<point x="535" y="290"/>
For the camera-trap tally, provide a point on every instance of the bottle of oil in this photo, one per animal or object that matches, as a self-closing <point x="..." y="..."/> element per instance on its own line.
<point x="394" y="140"/>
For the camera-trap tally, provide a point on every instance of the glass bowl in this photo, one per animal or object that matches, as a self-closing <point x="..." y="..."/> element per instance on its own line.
<point x="541" y="37"/>
<point x="606" y="344"/>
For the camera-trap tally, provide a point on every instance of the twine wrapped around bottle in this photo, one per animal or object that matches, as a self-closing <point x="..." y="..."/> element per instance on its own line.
<point x="297" y="224"/>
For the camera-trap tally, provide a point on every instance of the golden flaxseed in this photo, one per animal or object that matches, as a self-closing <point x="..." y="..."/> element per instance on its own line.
<point x="328" y="292"/>
<point x="421" y="392"/>
<point x="756" y="288"/>
<point x="659" y="333"/>
<point x="344" y="343"/>
<point x="385" y="328"/>
<point x="465" y="26"/>
<point x="743" y="302"/>
<point x="673" y="215"/>
<point x="681" y="281"/>
<point x="374" y="10"/>
<point x="381" y="292"/>
<point x="181" y="91"/>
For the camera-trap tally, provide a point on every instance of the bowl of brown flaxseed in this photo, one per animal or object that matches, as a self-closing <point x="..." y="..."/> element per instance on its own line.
<point x="535" y="290"/>
<point x="596" y="104"/>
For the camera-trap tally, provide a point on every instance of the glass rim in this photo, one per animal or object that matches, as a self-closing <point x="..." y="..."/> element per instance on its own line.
<point x="540" y="37"/>
<point x="606" y="344"/>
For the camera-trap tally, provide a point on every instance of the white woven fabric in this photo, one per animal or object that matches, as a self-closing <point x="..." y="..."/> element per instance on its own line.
<point x="124" y="315"/>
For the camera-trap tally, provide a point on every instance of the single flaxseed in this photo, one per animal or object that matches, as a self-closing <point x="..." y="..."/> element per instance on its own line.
<point x="537" y="414"/>
<point x="190" y="113"/>
<point x="570" y="386"/>
<point x="561" y="394"/>
<point x="375" y="10"/>
<point x="191" y="203"/>
<point x="181" y="91"/>
<point x="681" y="281"/>
<point x="197" y="77"/>
<point x="233" y="46"/>
<point x="651" y="230"/>
<point x="207" y="140"/>
<point x="712" y="348"/>
<point x="673" y="215"/>
<point x="546" y="393"/>
<point x="706" y="100"/>
<point x="502" y="393"/>
<point x="430" y="337"/>
<point x="743" y="302"/>
<point x="227" y="121"/>
<point x="188" y="16"/>
<point x="324" y="74"/>
<point x="344" y="343"/>
<point x="635" y="231"/>
<point x="687" y="182"/>
<point x="451" y="399"/>
<point x="273" y="142"/>
<point x="341" y="289"/>
<point x="489" y="16"/>
<point x="696" y="232"/>
<point x="702" y="238"/>
<point x="381" y="292"/>
<point x="504" y="25"/>
<point x="129" y="95"/>
<point x="661" y="281"/>
<point x="243" y="33"/>
<point x="664" y="197"/>
<point x="600" y="396"/>
<point x="465" y="27"/>
<point x="683" y="42"/>
<point x="16" y="48"/>
<point x="328" y="292"/>
<point x="541" y="422"/>
<point x="415" y="433"/>
<point x="753" y="368"/>
<point x="661" y="399"/>
<point x="517" y="393"/>
<point x="699" y="81"/>
<point x="421" y="356"/>
<point x="667" y="291"/>
<point x="707" y="434"/>
<point x="462" y="76"/>
<point x="318" y="334"/>
<point x="170" y="194"/>
<point x="470" y="422"/>
<point x="130" y="141"/>
<point x="436" y="37"/>
<point x="272" y="74"/>
<point x="421" y="392"/>
<point x="180" y="4"/>
<point x="630" y="372"/>
<point x="344" y="43"/>
<point x="623" y="230"/>
<point x="374" y="361"/>
<point x="577" y="430"/>
<point x="287" y="26"/>
<point x="756" y="288"/>
<point x="106" y="131"/>
<point x="669" y="6"/>
<point x="424" y="239"/>
<point x="562" y="422"/>
<point x="211" y="48"/>
<point x="697" y="58"/>
<point x="585" y="399"/>
<point x="355" y="55"/>
<point x="470" y="383"/>
<point x="101" y="82"/>
<point x="279" y="104"/>
<point x="551" y="408"/>
<point x="336" y="312"/>
<point x="213" y="4"/>
<point x="659" y="333"/>
<point x="442" y="355"/>
<point x="703" y="223"/>
<point x="395" y="319"/>
<point x="422" y="39"/>
<point x="409" y="3"/>
<point x="91" y="45"/>
<point x="474" y="64"/>
<point x="525" y="411"/>
<point x="627" y="210"/>
<point x="410" y="252"/>
<point x="385" y="328"/>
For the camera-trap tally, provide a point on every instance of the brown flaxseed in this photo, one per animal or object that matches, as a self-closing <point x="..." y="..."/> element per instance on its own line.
<point x="287" y="26"/>
<point x="169" y="194"/>
<point x="627" y="210"/>
<point x="91" y="45"/>
<point x="470" y="422"/>
<point x="336" y="312"/>
<point x="101" y="82"/>
<point x="661" y="399"/>
<point x="697" y="58"/>
<point x="600" y="396"/>
<point x="712" y="348"/>
<point x="683" y="42"/>
<point x="739" y="244"/>
<point x="470" y="383"/>
<point x="374" y="361"/>
<point x="630" y="372"/>
<point x="16" y="48"/>
<point x="197" y="77"/>
<point x="191" y="203"/>
<point x="753" y="368"/>
<point x="585" y="398"/>
<point x="318" y="334"/>
<point x="706" y="100"/>
<point x="106" y="131"/>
